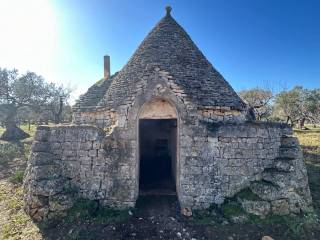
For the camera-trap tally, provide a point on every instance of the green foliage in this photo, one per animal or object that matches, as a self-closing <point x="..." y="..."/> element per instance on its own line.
<point x="298" y="104"/>
<point x="297" y="225"/>
<point x="89" y="210"/>
<point x="259" y="99"/>
<point x="8" y="151"/>
<point x="231" y="208"/>
<point x="17" y="177"/>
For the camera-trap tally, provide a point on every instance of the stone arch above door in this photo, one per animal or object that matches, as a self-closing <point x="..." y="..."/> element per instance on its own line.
<point x="158" y="109"/>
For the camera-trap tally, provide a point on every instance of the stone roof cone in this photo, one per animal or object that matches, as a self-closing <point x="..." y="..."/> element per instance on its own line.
<point x="168" y="47"/>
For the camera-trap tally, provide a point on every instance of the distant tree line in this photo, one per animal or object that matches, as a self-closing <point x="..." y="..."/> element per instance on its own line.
<point x="297" y="106"/>
<point x="28" y="98"/>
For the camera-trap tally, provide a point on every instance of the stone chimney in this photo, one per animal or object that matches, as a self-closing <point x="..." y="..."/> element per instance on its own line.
<point x="106" y="66"/>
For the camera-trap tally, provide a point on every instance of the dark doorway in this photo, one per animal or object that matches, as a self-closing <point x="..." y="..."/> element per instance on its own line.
<point x="158" y="143"/>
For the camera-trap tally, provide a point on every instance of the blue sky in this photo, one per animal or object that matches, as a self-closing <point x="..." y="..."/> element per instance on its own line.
<point x="250" y="42"/>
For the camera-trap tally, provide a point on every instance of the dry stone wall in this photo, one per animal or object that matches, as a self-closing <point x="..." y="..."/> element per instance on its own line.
<point x="263" y="157"/>
<point x="72" y="162"/>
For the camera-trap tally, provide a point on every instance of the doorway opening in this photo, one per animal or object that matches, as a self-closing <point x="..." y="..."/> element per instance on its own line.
<point x="158" y="153"/>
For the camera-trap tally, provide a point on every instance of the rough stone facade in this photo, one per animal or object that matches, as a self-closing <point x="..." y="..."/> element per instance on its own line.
<point x="71" y="162"/>
<point x="219" y="153"/>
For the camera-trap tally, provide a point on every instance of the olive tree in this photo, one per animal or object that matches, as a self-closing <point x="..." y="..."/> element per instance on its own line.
<point x="259" y="100"/>
<point x="28" y="90"/>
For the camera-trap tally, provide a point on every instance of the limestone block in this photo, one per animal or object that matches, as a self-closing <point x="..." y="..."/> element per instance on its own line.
<point x="267" y="191"/>
<point x="93" y="153"/>
<point x="41" y="158"/>
<point x="46" y="172"/>
<point x="40" y="146"/>
<point x="259" y="208"/>
<point x="69" y="153"/>
<point x="82" y="153"/>
<point x="280" y="207"/>
<point x="42" y="135"/>
<point x="92" y="135"/>
<point x="86" y="145"/>
<point x="290" y="153"/>
<point x="60" y="202"/>
<point x="48" y="187"/>
<point x="96" y="145"/>
<point x="286" y="166"/>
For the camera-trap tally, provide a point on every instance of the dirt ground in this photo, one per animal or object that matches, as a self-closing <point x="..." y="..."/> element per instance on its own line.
<point x="159" y="218"/>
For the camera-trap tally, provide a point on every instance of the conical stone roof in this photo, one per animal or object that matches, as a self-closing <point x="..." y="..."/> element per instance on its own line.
<point x="170" y="48"/>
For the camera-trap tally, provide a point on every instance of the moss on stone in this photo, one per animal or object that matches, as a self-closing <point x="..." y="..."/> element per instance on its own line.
<point x="232" y="208"/>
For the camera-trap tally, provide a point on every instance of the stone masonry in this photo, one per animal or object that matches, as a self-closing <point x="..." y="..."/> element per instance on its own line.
<point x="219" y="151"/>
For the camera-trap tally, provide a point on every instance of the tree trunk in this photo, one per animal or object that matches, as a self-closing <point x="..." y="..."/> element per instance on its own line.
<point x="57" y="116"/>
<point x="12" y="132"/>
<point x="301" y="123"/>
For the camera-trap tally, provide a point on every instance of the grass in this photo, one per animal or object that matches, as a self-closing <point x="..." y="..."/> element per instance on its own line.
<point x="8" y="151"/>
<point x="17" y="177"/>
<point x="14" y="222"/>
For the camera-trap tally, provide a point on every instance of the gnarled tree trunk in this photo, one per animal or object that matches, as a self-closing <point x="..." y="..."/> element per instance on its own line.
<point x="13" y="132"/>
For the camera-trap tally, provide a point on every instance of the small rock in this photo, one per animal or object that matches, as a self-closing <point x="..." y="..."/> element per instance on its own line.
<point x="186" y="212"/>
<point x="230" y="238"/>
<point x="130" y="213"/>
<point x="225" y="222"/>
<point x="113" y="228"/>
<point x="133" y="234"/>
<point x="183" y="229"/>
<point x="179" y="235"/>
<point x="239" y="219"/>
<point x="266" y="238"/>
<point x="172" y="218"/>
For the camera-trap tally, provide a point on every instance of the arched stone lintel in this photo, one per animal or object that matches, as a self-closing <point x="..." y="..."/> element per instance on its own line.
<point x="158" y="109"/>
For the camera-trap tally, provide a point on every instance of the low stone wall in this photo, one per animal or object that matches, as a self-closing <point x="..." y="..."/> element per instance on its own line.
<point x="83" y="161"/>
<point x="263" y="157"/>
<point x="70" y="162"/>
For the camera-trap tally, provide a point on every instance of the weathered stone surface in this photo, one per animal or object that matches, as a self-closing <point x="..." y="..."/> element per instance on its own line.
<point x="280" y="207"/>
<point x="259" y="208"/>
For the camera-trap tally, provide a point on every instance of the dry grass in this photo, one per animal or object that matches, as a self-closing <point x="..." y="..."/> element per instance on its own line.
<point x="14" y="222"/>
